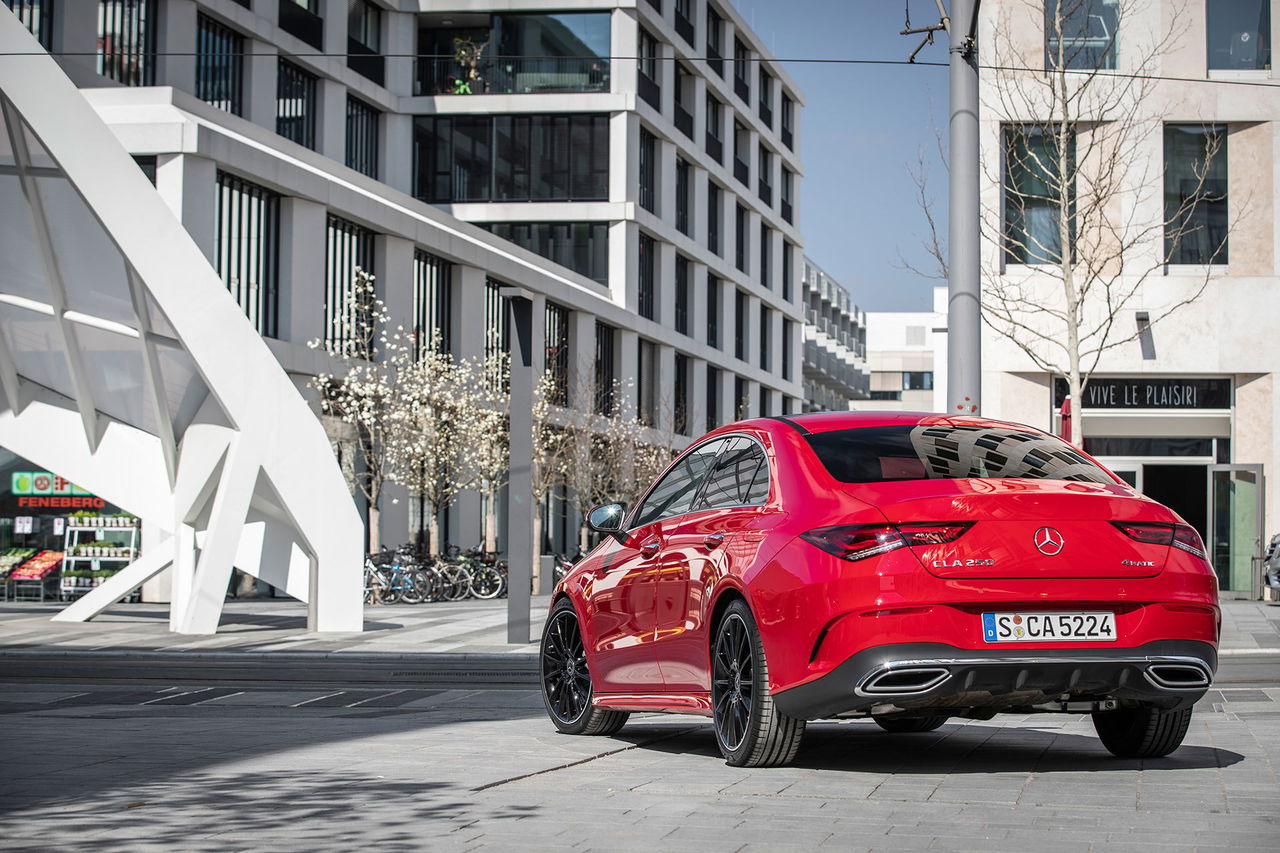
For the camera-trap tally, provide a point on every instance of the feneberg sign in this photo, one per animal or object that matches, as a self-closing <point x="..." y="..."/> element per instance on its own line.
<point x="1149" y="393"/>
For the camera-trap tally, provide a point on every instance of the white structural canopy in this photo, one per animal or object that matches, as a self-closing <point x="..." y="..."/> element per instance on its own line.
<point x="126" y="366"/>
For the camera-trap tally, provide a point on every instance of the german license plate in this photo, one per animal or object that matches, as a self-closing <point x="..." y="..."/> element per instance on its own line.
<point x="1098" y="626"/>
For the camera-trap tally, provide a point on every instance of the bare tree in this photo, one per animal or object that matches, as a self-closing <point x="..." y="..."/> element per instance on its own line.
<point x="1074" y="226"/>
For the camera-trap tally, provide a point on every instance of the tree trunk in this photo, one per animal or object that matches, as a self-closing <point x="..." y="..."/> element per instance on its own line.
<point x="491" y="520"/>
<point x="537" y="547"/>
<point x="375" y="533"/>
<point x="433" y="533"/>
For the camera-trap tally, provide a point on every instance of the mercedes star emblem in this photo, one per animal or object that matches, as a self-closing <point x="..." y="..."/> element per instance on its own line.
<point x="1049" y="541"/>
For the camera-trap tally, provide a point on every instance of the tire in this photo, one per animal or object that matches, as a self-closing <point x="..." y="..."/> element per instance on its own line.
<point x="909" y="725"/>
<point x="1141" y="732"/>
<point x="456" y="582"/>
<point x="430" y="583"/>
<point x="566" y="681"/>
<point x="750" y="730"/>
<point x="415" y="584"/>
<point x="486" y="582"/>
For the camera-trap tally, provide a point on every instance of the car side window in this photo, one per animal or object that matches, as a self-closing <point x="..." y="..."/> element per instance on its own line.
<point x="740" y="477"/>
<point x="675" y="492"/>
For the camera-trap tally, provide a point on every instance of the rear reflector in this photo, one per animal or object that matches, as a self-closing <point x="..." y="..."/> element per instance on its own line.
<point x="1179" y="536"/>
<point x="859" y="541"/>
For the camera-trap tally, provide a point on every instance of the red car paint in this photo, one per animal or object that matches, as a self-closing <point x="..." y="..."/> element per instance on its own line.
<point x="647" y="605"/>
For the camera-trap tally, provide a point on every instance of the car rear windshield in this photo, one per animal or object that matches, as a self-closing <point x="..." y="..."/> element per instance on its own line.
<point x="943" y="451"/>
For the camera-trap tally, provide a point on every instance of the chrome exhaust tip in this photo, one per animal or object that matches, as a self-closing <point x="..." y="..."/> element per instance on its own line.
<point x="1177" y="676"/>
<point x="905" y="681"/>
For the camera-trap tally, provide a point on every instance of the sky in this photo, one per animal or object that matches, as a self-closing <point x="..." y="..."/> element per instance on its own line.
<point x="861" y="130"/>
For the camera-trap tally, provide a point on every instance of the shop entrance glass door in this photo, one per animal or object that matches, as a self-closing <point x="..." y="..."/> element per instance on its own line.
<point x="1235" y="528"/>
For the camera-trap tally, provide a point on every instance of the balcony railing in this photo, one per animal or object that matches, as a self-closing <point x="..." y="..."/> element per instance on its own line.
<point x="766" y="114"/>
<point x="765" y="191"/>
<point x="786" y="211"/>
<point x="684" y="120"/>
<point x="441" y="75"/>
<point x="370" y="63"/>
<point x="303" y="23"/>
<point x="715" y="61"/>
<point x="742" y="171"/>
<point x="684" y="27"/>
<point x="742" y="88"/>
<point x="715" y="149"/>
<point x="649" y="91"/>
<point x="787" y="138"/>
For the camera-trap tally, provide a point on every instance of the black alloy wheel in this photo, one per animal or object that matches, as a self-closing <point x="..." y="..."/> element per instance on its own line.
<point x="750" y="731"/>
<point x="566" y="679"/>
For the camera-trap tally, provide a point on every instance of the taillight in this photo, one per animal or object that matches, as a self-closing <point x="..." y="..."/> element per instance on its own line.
<point x="859" y="541"/>
<point x="1186" y="538"/>
<point x="1180" y="536"/>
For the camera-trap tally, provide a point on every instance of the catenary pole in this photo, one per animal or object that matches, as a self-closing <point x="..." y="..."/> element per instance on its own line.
<point x="520" y="555"/>
<point x="964" y="283"/>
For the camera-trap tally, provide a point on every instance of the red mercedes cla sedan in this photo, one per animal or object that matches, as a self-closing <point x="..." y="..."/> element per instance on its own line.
<point x="903" y="567"/>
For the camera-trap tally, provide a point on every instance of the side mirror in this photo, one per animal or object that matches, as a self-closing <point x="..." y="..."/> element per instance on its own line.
<point x="607" y="519"/>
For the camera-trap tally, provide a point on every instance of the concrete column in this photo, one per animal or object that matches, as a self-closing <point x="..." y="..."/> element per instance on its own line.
<point x="395" y="152"/>
<point x="624" y="170"/>
<point x="582" y="347"/>
<point x="627" y="361"/>
<point x="331" y="124"/>
<point x="393" y="260"/>
<point x="334" y="13"/>
<point x="624" y="248"/>
<point x="262" y="74"/>
<point x="664" y="284"/>
<point x="302" y="270"/>
<point x="666" y="166"/>
<point x="698" y="204"/>
<point x="728" y="402"/>
<point x="189" y="185"/>
<point x="399" y="43"/>
<point x="624" y="36"/>
<point x="176" y="45"/>
<point x="697" y="397"/>
<point x="75" y="42"/>
<point x="666" y="379"/>
<point x="466" y="522"/>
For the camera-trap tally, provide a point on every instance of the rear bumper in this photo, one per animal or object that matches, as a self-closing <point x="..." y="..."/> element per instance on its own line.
<point x="937" y="677"/>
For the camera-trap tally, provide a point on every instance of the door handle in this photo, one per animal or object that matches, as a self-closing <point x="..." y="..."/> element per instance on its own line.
<point x="650" y="548"/>
<point x="713" y="540"/>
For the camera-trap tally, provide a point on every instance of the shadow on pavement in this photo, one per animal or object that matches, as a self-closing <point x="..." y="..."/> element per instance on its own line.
<point x="864" y="748"/>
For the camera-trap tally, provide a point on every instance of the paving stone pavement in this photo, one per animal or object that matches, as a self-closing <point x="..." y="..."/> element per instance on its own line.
<point x="133" y="766"/>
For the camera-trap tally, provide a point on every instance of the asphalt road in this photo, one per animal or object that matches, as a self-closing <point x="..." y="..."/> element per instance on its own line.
<point x="207" y="762"/>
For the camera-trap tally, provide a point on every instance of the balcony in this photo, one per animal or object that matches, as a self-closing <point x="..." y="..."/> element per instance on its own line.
<point x="786" y="212"/>
<point x="715" y="61"/>
<point x="649" y="91"/>
<point x="742" y="89"/>
<point x="766" y="114"/>
<point x="684" y="120"/>
<point x="742" y="171"/>
<point x="303" y="23"/>
<point x="787" y="139"/>
<point x="370" y="63"/>
<point x="511" y="76"/>
<point x="765" y="191"/>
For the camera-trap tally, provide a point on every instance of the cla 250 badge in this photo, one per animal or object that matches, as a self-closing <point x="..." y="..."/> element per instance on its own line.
<point x="961" y="564"/>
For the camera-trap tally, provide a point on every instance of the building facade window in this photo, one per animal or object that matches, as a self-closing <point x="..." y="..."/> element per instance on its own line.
<point x="742" y="71"/>
<point x="127" y="41"/>
<point x="581" y="246"/>
<point x="715" y="41"/>
<point x="741" y="402"/>
<point x="788" y="271"/>
<point x="1033" y="197"/>
<point x="1239" y="34"/>
<point x="766" y="255"/>
<point x="713" y="397"/>
<point x="740" y="247"/>
<point x="37" y="17"/>
<point x="740" y="325"/>
<point x="680" y="406"/>
<point x="497" y="332"/>
<point x="511" y="158"/>
<point x="788" y="195"/>
<point x="556" y="353"/>
<point x="683" y="95"/>
<point x="219" y="65"/>
<point x="1195" y="194"/>
<point x="648" y="82"/>
<point x="648" y="171"/>
<point x="523" y="53"/>
<point x="247" y="249"/>
<point x="606" y="377"/>
<point x="348" y="250"/>
<point x="296" y="103"/>
<point x="646" y="382"/>
<point x="715" y="216"/>
<point x="432" y="301"/>
<point x="765" y="105"/>
<point x="713" y="310"/>
<point x="788" y="121"/>
<point x="766" y="338"/>
<point x="764" y="176"/>
<point x="682" y="295"/>
<point x="766" y="401"/>
<point x="682" y="198"/>
<point x="301" y="18"/>
<point x="788" y="333"/>
<point x="917" y="380"/>
<point x="741" y="153"/>
<point x="362" y="137"/>
<point x="1080" y="33"/>
<point x="364" y="40"/>
<point x="646" y="297"/>
<point x="684" y="19"/>
<point x="715" y="129"/>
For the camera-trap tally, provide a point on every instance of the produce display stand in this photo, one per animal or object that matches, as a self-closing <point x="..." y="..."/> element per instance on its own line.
<point x="36" y="579"/>
<point x="10" y="559"/>
<point x="95" y="548"/>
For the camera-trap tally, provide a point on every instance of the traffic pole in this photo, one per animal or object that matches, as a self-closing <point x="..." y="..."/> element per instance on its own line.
<point x="964" y="280"/>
